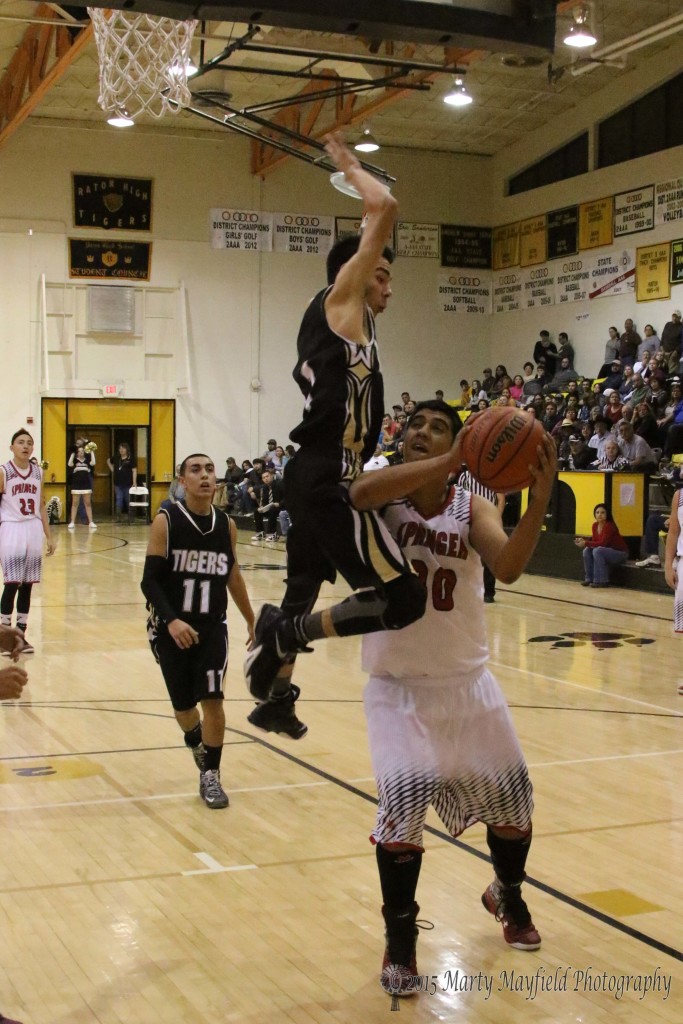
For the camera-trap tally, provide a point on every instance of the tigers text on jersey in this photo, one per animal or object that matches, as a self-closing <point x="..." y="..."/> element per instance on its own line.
<point x="21" y="497"/>
<point x="199" y="558"/>
<point x="342" y="385"/>
<point x="449" y="641"/>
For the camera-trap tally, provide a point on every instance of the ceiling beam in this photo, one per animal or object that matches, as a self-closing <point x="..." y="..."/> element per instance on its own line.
<point x="41" y="58"/>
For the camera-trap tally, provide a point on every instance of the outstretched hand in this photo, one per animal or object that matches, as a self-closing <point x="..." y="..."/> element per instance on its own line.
<point x="12" y="681"/>
<point x="12" y="641"/>
<point x="341" y="156"/>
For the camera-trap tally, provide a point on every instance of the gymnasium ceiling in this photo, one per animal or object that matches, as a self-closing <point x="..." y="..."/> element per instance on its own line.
<point x="518" y="85"/>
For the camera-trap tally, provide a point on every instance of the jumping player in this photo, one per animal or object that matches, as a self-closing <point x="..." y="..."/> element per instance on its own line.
<point x="23" y="522"/>
<point x="190" y="562"/>
<point x="339" y="375"/>
<point x="439" y="728"/>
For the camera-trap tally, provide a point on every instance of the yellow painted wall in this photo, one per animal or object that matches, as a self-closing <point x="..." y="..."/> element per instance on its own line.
<point x="91" y="412"/>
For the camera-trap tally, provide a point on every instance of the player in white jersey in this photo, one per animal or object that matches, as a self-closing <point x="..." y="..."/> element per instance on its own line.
<point x="23" y="521"/>
<point x="672" y="558"/>
<point x="439" y="728"/>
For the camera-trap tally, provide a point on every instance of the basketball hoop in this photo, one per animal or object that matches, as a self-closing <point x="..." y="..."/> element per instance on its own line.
<point x="143" y="62"/>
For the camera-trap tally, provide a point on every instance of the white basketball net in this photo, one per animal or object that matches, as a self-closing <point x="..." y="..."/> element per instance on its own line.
<point x="143" y="62"/>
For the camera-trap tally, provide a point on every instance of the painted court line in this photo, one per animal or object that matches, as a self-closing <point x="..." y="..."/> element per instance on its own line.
<point x="213" y="867"/>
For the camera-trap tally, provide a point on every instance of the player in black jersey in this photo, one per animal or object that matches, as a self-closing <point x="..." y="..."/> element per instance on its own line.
<point x="189" y="570"/>
<point x="339" y="375"/>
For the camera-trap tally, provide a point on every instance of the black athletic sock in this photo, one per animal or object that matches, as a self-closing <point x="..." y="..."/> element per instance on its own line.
<point x="194" y="737"/>
<point x="212" y="758"/>
<point x="399" y="871"/>
<point x="508" y="857"/>
<point x="7" y="600"/>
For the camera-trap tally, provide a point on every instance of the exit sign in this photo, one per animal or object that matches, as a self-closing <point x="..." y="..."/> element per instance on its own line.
<point x="112" y="390"/>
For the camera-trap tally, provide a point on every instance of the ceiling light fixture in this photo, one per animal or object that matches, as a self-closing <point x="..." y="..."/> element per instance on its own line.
<point x="367" y="143"/>
<point x="580" y="35"/>
<point x="458" y="96"/>
<point x="120" y="119"/>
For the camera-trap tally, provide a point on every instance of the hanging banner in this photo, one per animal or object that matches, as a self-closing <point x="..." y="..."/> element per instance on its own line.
<point x="508" y="290"/>
<point x="102" y="201"/>
<point x="634" y="211"/>
<point x="676" y="267"/>
<point x="302" y="233"/>
<point x="345" y="226"/>
<point x="538" y="287"/>
<point x="532" y="242"/>
<point x="464" y="292"/>
<point x="612" y="274"/>
<point x="595" y="223"/>
<point x="563" y="232"/>
<point x="573" y="281"/>
<point x="652" y="272"/>
<point x="417" y="240"/>
<point x="505" y="245"/>
<point x="128" y="260"/>
<point x="669" y="201"/>
<point x="244" y="230"/>
<point x="465" y="246"/>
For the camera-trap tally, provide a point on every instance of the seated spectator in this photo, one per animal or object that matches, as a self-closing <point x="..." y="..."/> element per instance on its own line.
<point x="551" y="416"/>
<point x="409" y="408"/>
<point x="636" y="451"/>
<point x="605" y="547"/>
<point x="639" y="393"/>
<point x="395" y="459"/>
<point x="645" y="425"/>
<point x="290" y="451"/>
<point x="564" y="428"/>
<point x="586" y="431"/>
<point x="566" y="349"/>
<point x="477" y="393"/>
<point x="275" y="461"/>
<point x="658" y="398"/>
<point x="401" y="421"/>
<point x="386" y="437"/>
<point x="487" y="380"/>
<point x="378" y="461"/>
<point x="563" y="376"/>
<point x="675" y="395"/>
<point x="655" y="524"/>
<point x="611" y="461"/>
<point x="528" y="372"/>
<point x="233" y="476"/>
<point x="269" y="495"/>
<point x="505" y="398"/>
<point x="465" y="394"/>
<point x="534" y="385"/>
<point x="580" y="455"/>
<point x="612" y="408"/>
<point x="626" y="386"/>
<point x="517" y="387"/>
<point x="251" y="484"/>
<point x="438" y="395"/>
<point x="482" y="404"/>
<point x="641" y="364"/>
<point x="614" y="378"/>
<point x="499" y="383"/>
<point x="270" y="450"/>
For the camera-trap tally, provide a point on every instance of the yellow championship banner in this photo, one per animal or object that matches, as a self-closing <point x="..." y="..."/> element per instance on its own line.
<point x="533" y="247"/>
<point x="652" y="272"/>
<point x="505" y="246"/>
<point x="596" y="223"/>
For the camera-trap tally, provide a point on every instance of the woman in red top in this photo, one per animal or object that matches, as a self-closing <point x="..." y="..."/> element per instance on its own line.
<point x="613" y="407"/>
<point x="605" y="548"/>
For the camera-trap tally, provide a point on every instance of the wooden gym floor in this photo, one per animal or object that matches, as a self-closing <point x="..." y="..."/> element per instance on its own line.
<point x="124" y="900"/>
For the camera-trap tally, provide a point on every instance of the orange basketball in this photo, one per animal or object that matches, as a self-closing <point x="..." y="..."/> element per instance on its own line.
<point x="500" y="446"/>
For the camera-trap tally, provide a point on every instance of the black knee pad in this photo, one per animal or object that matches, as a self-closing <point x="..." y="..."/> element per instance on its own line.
<point x="406" y="601"/>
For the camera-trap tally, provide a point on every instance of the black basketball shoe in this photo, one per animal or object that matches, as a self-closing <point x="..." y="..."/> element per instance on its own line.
<point x="277" y="715"/>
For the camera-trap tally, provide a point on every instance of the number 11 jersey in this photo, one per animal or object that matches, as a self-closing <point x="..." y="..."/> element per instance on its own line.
<point x="199" y="559"/>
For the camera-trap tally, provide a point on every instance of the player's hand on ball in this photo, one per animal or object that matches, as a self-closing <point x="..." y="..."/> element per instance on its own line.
<point x="183" y="633"/>
<point x="544" y="473"/>
<point x="12" y="682"/>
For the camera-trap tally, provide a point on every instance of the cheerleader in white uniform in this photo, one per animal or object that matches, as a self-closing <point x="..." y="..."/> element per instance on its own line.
<point x="23" y="522"/>
<point x="672" y="559"/>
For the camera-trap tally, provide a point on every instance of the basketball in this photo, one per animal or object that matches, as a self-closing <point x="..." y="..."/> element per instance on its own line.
<point x="500" y="447"/>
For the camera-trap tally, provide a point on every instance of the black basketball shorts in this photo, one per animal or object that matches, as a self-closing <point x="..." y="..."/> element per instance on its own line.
<point x="196" y="673"/>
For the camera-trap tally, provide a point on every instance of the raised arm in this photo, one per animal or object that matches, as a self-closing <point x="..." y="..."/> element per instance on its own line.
<point x="375" y="490"/>
<point x="345" y="306"/>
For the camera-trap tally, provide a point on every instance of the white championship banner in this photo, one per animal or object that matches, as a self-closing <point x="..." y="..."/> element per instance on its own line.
<point x="634" y="211"/>
<point x="612" y="274"/>
<point x="418" y="240"/>
<point x="464" y="291"/>
<point x="303" y="233"/>
<point x="573" y="280"/>
<point x="669" y="201"/>
<point x="538" y="287"/>
<point x="243" y="230"/>
<point x="508" y="291"/>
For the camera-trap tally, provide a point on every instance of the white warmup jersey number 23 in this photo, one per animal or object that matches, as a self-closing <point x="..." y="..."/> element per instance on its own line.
<point x="449" y="641"/>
